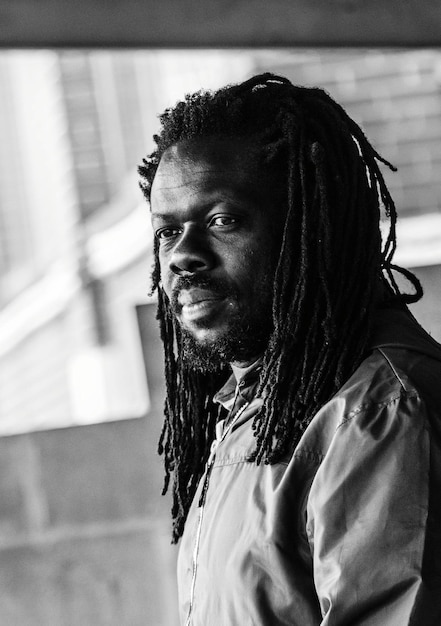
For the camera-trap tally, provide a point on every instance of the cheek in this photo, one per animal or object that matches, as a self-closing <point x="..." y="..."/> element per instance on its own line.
<point x="255" y="269"/>
<point x="265" y="253"/>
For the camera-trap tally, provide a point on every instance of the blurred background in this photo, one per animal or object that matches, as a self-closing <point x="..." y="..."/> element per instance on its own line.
<point x="84" y="532"/>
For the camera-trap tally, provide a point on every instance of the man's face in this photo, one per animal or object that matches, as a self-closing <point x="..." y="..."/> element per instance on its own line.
<point x="219" y="238"/>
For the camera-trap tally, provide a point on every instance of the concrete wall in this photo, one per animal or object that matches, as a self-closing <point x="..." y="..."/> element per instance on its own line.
<point x="219" y="23"/>
<point x="84" y="534"/>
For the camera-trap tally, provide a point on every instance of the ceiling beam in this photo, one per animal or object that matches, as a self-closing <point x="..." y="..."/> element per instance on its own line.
<point x="219" y="23"/>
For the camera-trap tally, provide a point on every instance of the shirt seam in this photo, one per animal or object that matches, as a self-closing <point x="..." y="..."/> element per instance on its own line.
<point x="368" y="405"/>
<point x="305" y="452"/>
<point x="235" y="460"/>
<point x="389" y="362"/>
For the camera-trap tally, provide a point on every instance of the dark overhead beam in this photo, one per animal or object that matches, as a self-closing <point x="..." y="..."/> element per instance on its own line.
<point x="219" y="23"/>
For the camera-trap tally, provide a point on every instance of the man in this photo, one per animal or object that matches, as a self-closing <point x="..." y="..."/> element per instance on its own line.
<point x="302" y="417"/>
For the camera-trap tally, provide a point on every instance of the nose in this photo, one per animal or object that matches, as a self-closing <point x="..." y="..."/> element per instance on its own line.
<point x="192" y="253"/>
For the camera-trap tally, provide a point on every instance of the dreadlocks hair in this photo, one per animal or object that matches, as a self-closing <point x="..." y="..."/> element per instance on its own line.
<point x="330" y="264"/>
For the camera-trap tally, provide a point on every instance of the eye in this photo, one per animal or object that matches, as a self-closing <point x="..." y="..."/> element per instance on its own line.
<point x="166" y="233"/>
<point x="223" y="220"/>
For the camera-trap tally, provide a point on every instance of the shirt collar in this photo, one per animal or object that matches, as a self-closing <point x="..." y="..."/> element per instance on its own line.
<point x="243" y="381"/>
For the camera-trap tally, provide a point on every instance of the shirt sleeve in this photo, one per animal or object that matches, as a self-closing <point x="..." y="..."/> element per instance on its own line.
<point x="367" y="513"/>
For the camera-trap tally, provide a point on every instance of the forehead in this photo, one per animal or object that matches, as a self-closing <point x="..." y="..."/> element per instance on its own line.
<point x="208" y="164"/>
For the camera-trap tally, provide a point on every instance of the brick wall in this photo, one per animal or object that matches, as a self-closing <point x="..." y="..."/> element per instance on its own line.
<point x="428" y="310"/>
<point x="396" y="98"/>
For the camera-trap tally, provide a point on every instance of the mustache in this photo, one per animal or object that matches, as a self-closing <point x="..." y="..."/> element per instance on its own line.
<point x="219" y="286"/>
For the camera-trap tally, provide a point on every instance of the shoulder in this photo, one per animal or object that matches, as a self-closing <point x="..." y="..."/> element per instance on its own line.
<point x="379" y="399"/>
<point x="380" y="380"/>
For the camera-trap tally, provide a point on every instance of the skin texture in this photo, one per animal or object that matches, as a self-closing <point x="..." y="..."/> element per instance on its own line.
<point x="219" y="233"/>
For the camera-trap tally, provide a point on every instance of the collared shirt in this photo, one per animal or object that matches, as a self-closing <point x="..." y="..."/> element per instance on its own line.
<point x="347" y="530"/>
<point x="240" y="387"/>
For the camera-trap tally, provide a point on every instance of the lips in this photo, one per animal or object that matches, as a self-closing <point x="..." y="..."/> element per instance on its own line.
<point x="198" y="303"/>
<point x="190" y="297"/>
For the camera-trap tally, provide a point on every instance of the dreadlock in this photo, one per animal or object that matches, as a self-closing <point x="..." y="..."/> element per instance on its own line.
<point x="331" y="259"/>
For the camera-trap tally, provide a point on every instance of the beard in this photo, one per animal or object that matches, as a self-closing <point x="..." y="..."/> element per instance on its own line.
<point x="245" y="338"/>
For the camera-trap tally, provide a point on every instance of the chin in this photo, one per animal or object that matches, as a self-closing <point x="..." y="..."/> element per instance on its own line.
<point x="210" y="350"/>
<point x="207" y="338"/>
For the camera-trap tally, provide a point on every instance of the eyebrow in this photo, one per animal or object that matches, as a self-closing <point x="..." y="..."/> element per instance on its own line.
<point x="160" y="216"/>
<point x="173" y="215"/>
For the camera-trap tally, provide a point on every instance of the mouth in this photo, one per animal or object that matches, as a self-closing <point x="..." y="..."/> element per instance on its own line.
<point x="198" y="304"/>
